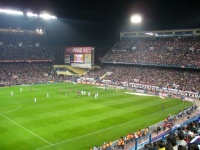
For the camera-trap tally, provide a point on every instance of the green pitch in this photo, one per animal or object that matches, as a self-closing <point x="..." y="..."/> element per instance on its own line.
<point x="71" y="122"/>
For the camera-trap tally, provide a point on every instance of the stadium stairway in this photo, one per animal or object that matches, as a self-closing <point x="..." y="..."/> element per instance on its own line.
<point x="79" y="71"/>
<point x="70" y="70"/>
<point x="65" y="73"/>
<point x="95" y="67"/>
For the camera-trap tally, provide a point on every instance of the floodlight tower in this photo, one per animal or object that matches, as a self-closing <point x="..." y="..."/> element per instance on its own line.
<point x="136" y="21"/>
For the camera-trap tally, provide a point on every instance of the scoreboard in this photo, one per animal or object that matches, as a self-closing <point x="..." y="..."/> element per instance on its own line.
<point x="80" y="57"/>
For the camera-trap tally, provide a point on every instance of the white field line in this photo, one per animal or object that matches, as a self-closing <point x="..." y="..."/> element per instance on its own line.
<point x="26" y="129"/>
<point x="19" y="106"/>
<point x="94" y="132"/>
<point x="139" y="94"/>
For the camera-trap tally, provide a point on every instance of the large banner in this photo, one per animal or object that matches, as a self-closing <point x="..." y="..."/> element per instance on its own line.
<point x="162" y="89"/>
<point x="78" y="50"/>
<point x="78" y="65"/>
<point x="26" y="61"/>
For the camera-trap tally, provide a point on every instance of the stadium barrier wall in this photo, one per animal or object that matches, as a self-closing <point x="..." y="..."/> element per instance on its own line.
<point x="139" y="143"/>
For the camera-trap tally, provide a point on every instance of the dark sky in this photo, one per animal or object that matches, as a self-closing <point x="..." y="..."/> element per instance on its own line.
<point x="98" y="22"/>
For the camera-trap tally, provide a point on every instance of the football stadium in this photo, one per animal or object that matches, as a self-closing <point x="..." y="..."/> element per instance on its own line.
<point x="144" y="94"/>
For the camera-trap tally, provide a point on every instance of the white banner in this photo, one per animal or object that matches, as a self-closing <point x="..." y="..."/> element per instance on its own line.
<point x="77" y="65"/>
<point x="163" y="89"/>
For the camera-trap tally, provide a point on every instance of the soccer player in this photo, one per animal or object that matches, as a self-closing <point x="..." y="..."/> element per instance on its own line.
<point x="20" y="89"/>
<point x="163" y="108"/>
<point x="35" y="100"/>
<point x="95" y="95"/>
<point x="12" y="93"/>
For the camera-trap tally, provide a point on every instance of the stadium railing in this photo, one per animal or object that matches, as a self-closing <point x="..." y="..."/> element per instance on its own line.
<point x="140" y="143"/>
<point x="156" y="133"/>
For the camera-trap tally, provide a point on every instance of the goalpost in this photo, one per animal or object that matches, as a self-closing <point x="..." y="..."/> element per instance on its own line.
<point x="119" y="88"/>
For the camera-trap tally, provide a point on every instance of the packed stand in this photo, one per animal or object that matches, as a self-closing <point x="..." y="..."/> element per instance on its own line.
<point x="175" y="51"/>
<point x="96" y="74"/>
<point x="184" y="138"/>
<point x="26" y="45"/>
<point x="26" y="73"/>
<point x="186" y="80"/>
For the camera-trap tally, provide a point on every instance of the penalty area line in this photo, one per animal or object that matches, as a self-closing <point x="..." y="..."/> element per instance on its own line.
<point x="19" y="106"/>
<point x="26" y="129"/>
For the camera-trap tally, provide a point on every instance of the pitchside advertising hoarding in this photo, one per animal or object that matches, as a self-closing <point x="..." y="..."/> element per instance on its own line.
<point x="80" y="57"/>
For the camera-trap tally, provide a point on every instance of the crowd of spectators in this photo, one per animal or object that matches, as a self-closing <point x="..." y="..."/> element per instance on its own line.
<point x="184" y="138"/>
<point x="175" y="51"/>
<point x="26" y="45"/>
<point x="187" y="80"/>
<point x="96" y="73"/>
<point x="169" y="51"/>
<point x="26" y="73"/>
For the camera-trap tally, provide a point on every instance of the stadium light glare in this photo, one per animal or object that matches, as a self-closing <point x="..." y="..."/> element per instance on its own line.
<point x="149" y="33"/>
<point x="40" y="31"/>
<point x="136" y="19"/>
<point x="11" y="12"/>
<point x="47" y="16"/>
<point x="30" y="14"/>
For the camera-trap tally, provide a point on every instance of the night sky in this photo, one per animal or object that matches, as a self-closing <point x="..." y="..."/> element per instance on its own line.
<point x="98" y="22"/>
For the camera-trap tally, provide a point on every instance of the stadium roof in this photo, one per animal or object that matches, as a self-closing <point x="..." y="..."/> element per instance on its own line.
<point x="100" y="22"/>
<point x="157" y="13"/>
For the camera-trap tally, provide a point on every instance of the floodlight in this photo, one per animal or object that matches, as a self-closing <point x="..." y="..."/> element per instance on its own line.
<point x="40" y="31"/>
<point x="20" y="44"/>
<point x="47" y="16"/>
<point x="30" y="14"/>
<point x="136" y="19"/>
<point x="12" y="12"/>
<point x="149" y="33"/>
<point x="37" y="44"/>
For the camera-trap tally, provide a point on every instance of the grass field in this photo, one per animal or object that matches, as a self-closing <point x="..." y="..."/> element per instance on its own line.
<point x="74" y="123"/>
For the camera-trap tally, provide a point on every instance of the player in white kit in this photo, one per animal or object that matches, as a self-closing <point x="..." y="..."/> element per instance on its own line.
<point x="35" y="100"/>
